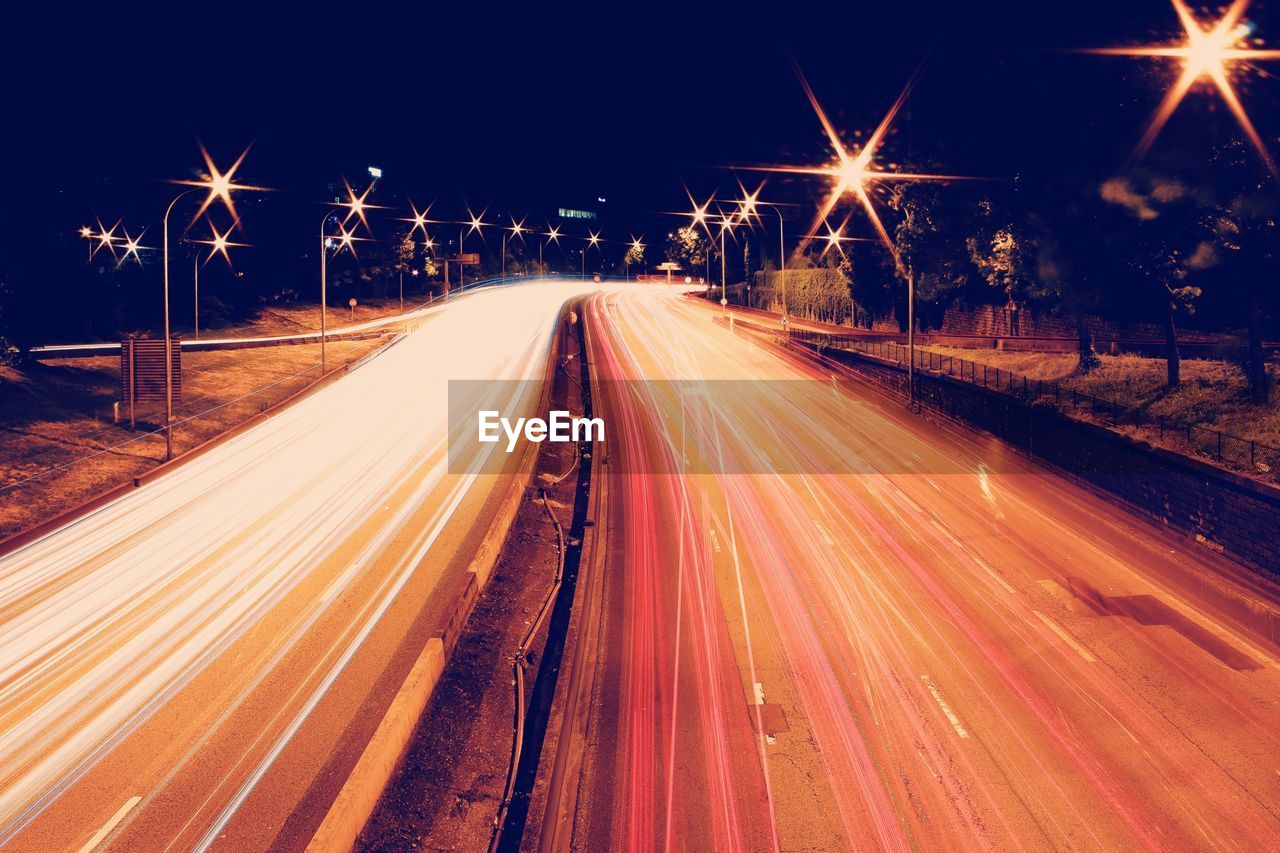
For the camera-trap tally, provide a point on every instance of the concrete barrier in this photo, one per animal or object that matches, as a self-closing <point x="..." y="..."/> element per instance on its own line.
<point x="359" y="796"/>
<point x="363" y="788"/>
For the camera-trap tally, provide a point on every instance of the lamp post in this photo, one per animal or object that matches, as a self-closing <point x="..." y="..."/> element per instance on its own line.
<point x="725" y="225"/>
<point x="749" y="203"/>
<point x="516" y="230"/>
<point x="475" y="223"/>
<point x="911" y="332"/>
<point x="856" y="173"/>
<point x="345" y="240"/>
<point x="700" y="218"/>
<point x="195" y="277"/>
<point x="87" y="233"/>
<point x="218" y="243"/>
<point x="419" y="221"/>
<point x="553" y="234"/>
<point x="168" y="341"/>
<point x="356" y="206"/>
<point x="324" y="291"/>
<point x="593" y="240"/>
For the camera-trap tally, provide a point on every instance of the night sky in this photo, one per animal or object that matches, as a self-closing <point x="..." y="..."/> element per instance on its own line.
<point x="529" y="110"/>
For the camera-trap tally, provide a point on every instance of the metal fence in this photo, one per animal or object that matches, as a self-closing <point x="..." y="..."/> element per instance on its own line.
<point x="1181" y="436"/>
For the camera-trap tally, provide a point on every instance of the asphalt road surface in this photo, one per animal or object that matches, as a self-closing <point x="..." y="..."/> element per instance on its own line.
<point x="198" y="664"/>
<point x="909" y="638"/>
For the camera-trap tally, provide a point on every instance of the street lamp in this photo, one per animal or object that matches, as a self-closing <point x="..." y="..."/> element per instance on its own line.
<point x="419" y="223"/>
<point x="855" y="173"/>
<point x="218" y="244"/>
<point x="345" y="238"/>
<point x="553" y="235"/>
<point x="219" y="186"/>
<point x="726" y="224"/>
<point x="749" y="203"/>
<point x="699" y="216"/>
<point x="593" y="240"/>
<point x="474" y="223"/>
<point x="516" y="230"/>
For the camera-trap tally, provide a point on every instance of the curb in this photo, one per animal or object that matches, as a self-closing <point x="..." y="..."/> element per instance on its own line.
<point x="360" y="794"/>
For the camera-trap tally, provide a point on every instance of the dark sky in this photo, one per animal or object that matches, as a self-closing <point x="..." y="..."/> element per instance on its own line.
<point x="555" y="104"/>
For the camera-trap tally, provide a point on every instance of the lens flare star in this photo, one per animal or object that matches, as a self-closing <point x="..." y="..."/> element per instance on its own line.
<point x="1212" y="54"/>
<point x="855" y="172"/>
<point x="219" y="184"/>
<point x="106" y="238"/>
<point x="218" y="244"/>
<point x="356" y="205"/>
<point x="419" y="219"/>
<point x="132" y="245"/>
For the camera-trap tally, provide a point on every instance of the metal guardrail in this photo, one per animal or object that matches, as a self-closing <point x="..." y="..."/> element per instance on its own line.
<point x="358" y="332"/>
<point x="1187" y="438"/>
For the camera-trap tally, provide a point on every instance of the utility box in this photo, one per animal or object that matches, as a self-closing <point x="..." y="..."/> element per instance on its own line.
<point x="142" y="372"/>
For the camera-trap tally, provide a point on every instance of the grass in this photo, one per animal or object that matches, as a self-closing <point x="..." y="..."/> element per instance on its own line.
<point x="62" y="442"/>
<point x="305" y="317"/>
<point x="1213" y="395"/>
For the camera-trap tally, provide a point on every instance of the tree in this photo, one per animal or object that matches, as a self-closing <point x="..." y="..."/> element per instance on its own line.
<point x="1071" y="264"/>
<point x="634" y="255"/>
<point x="404" y="253"/>
<point x="1170" y="239"/>
<point x="687" y="246"/>
<point x="1000" y="251"/>
<point x="928" y="246"/>
<point x="1250" y="239"/>
<point x="1249" y="232"/>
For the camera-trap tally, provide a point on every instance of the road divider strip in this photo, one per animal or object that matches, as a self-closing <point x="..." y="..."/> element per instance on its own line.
<point x="360" y="793"/>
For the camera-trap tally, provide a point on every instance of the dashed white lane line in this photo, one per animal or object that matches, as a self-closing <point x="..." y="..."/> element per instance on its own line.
<point x="101" y="834"/>
<point x="1065" y="637"/>
<point x="946" y="709"/>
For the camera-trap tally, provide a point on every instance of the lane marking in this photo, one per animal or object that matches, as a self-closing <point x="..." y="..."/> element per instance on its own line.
<point x="946" y="709"/>
<point x="1065" y="637"/>
<point x="101" y="834"/>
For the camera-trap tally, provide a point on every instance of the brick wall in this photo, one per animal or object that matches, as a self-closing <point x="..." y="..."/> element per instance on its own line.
<point x="1230" y="514"/>
<point x="989" y="320"/>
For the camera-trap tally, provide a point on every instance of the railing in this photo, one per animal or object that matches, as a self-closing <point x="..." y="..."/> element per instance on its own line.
<point x="1181" y="436"/>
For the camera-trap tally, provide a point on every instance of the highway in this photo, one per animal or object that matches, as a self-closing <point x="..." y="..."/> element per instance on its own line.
<point x="831" y="624"/>
<point x="198" y="664"/>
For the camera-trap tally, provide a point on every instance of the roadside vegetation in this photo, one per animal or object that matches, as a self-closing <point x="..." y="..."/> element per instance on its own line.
<point x="62" y="441"/>
<point x="1213" y="394"/>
